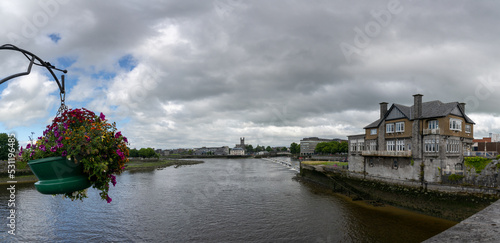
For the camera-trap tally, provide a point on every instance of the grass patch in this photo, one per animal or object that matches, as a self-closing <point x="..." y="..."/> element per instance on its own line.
<point x="138" y="164"/>
<point x="332" y="163"/>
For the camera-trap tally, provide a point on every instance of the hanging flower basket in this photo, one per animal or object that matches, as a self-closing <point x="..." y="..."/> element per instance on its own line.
<point x="89" y="151"/>
<point x="59" y="175"/>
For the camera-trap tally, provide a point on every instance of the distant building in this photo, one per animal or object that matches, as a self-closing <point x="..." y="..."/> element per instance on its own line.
<point x="224" y="150"/>
<point x="406" y="142"/>
<point x="237" y="151"/>
<point x="241" y="144"/>
<point x="307" y="145"/>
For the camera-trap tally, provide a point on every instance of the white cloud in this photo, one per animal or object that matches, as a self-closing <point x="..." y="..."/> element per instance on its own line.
<point x="27" y="99"/>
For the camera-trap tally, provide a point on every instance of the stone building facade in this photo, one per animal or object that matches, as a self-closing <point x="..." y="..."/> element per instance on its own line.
<point x="419" y="142"/>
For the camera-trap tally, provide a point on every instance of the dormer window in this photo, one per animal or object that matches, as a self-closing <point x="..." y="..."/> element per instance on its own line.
<point x="455" y="124"/>
<point x="389" y="128"/>
<point x="400" y="126"/>
<point x="433" y="124"/>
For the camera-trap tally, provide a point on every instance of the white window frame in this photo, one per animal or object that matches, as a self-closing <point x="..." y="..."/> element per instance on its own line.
<point x="452" y="146"/>
<point x="433" y="124"/>
<point x="373" y="145"/>
<point x="389" y="128"/>
<point x="468" y="128"/>
<point x="455" y="124"/>
<point x="431" y="145"/>
<point x="391" y="145"/>
<point x="373" y="131"/>
<point x="400" y="145"/>
<point x="400" y="126"/>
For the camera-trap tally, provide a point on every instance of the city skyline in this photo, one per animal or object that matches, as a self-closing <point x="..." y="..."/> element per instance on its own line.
<point x="187" y="73"/>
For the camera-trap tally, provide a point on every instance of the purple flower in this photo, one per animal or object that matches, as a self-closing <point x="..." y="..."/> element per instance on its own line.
<point x="60" y="145"/>
<point x="53" y="149"/>
<point x="125" y="139"/>
<point x="56" y="134"/>
<point x="42" y="147"/>
<point x="102" y="117"/>
<point x="108" y="199"/>
<point x="66" y="126"/>
<point x="64" y="153"/>
<point x="60" y="139"/>
<point x="122" y="156"/>
<point x="28" y="146"/>
<point x="118" y="134"/>
<point x="32" y="153"/>
<point x="113" y="179"/>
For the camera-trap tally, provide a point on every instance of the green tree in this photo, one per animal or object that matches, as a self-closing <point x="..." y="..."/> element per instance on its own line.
<point x="294" y="148"/>
<point x="343" y="147"/>
<point x="5" y="145"/>
<point x="134" y="152"/>
<point x="269" y="149"/>
<point x="249" y="148"/>
<point x="147" y="153"/>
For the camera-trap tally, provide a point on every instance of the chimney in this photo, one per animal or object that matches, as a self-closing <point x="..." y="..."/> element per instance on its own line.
<point x="417" y="106"/>
<point x="383" y="109"/>
<point x="462" y="105"/>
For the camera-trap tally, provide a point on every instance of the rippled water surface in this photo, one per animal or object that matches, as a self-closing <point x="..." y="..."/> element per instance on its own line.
<point x="242" y="200"/>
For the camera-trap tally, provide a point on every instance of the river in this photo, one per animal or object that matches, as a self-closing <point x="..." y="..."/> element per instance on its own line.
<point x="221" y="200"/>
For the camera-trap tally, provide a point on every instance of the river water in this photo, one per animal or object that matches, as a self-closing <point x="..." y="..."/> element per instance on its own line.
<point x="221" y="200"/>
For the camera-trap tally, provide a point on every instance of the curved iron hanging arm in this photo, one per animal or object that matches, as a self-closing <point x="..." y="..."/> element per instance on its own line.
<point x="35" y="60"/>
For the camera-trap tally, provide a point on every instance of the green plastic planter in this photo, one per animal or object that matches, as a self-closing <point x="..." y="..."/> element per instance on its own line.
<point x="58" y="175"/>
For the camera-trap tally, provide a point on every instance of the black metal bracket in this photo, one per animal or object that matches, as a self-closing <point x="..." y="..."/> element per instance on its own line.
<point x="35" y="60"/>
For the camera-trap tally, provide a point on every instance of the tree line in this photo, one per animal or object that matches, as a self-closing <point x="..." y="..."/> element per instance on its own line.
<point x="332" y="147"/>
<point x="143" y="153"/>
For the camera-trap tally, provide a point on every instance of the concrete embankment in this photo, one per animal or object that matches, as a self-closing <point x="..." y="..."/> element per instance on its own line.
<point x="448" y="202"/>
<point x="483" y="226"/>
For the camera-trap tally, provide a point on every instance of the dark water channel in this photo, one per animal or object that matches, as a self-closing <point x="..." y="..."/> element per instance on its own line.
<point x="243" y="200"/>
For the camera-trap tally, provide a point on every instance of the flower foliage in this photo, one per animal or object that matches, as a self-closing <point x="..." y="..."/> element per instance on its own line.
<point x="84" y="137"/>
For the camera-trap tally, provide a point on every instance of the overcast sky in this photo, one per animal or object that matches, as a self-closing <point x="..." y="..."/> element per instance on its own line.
<point x="184" y="74"/>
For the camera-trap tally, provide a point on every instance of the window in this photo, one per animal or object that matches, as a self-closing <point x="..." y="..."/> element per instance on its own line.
<point x="373" y="131"/>
<point x="400" y="126"/>
<point x="389" y="128"/>
<point x="433" y="124"/>
<point x="353" y="146"/>
<point x="455" y="124"/>
<point x="452" y="146"/>
<point x="373" y="145"/>
<point x="431" y="145"/>
<point x="390" y="145"/>
<point x="468" y="128"/>
<point x="400" y="145"/>
<point x="361" y="146"/>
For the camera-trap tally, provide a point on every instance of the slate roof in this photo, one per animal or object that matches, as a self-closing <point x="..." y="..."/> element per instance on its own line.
<point x="430" y="109"/>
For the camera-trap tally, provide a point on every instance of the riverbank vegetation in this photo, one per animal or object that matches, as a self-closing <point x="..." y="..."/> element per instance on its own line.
<point x="332" y="163"/>
<point x="137" y="164"/>
<point x="478" y="163"/>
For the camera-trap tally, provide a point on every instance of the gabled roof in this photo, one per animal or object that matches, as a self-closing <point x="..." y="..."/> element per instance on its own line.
<point x="430" y="109"/>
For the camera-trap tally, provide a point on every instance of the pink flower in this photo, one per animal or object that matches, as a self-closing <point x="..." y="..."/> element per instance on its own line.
<point x="64" y="153"/>
<point x="108" y="199"/>
<point x="102" y="117"/>
<point x="53" y="149"/>
<point x="118" y="134"/>
<point x="113" y="179"/>
<point x="125" y="139"/>
<point x="42" y="147"/>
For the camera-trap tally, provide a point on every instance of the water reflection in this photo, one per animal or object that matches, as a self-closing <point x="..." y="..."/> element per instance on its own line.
<point x="244" y="200"/>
